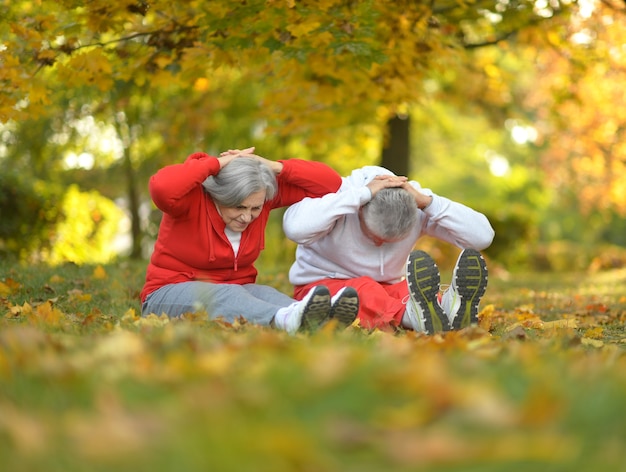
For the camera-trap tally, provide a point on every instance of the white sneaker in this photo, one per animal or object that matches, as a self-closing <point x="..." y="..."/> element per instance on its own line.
<point x="423" y="309"/>
<point x="309" y="313"/>
<point x="413" y="317"/>
<point x="469" y="283"/>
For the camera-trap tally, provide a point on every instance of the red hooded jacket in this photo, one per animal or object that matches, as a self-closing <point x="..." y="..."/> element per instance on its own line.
<point x="192" y="244"/>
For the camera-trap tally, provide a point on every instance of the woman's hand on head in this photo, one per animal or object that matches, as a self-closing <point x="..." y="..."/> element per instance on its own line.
<point x="237" y="152"/>
<point x="228" y="156"/>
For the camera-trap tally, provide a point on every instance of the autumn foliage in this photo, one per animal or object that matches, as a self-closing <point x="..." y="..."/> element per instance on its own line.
<point x="322" y="79"/>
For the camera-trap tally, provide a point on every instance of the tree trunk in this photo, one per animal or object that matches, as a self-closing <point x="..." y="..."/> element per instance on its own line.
<point x="396" y="147"/>
<point x="123" y="131"/>
<point x="133" y="206"/>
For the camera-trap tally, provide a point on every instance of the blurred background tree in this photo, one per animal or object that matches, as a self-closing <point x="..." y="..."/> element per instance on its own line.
<point x="512" y="107"/>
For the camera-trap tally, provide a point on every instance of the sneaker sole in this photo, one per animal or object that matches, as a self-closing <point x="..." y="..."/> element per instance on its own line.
<point x="423" y="280"/>
<point x="345" y="308"/>
<point x="471" y="283"/>
<point x="317" y="309"/>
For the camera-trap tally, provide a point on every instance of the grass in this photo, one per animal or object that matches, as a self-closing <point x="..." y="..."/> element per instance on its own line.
<point x="87" y="385"/>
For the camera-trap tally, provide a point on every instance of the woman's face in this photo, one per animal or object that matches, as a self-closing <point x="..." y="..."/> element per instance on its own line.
<point x="238" y="218"/>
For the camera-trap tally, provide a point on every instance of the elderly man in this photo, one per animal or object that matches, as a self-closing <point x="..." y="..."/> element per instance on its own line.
<point x="363" y="236"/>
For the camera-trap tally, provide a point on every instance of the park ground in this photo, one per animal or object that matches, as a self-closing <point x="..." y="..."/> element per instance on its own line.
<point x="88" y="385"/>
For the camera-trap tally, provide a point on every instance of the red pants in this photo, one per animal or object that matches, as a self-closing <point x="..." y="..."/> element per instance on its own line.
<point x="380" y="304"/>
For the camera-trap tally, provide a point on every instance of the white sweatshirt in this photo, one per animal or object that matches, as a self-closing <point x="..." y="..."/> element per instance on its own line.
<point x="332" y="245"/>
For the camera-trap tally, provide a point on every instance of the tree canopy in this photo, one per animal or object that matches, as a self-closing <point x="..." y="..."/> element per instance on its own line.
<point x="316" y="56"/>
<point x="132" y="85"/>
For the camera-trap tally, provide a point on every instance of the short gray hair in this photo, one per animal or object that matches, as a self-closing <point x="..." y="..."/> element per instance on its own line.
<point x="239" y="179"/>
<point x="391" y="213"/>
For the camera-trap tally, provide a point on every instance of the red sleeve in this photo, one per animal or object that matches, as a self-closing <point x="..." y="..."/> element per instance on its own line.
<point x="171" y="184"/>
<point x="300" y="179"/>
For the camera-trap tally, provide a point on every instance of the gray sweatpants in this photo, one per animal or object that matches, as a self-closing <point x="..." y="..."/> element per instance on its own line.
<point x="256" y="303"/>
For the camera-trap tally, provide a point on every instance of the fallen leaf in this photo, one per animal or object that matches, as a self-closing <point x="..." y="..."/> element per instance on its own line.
<point x="45" y="313"/>
<point x="152" y="320"/>
<point x="592" y="342"/>
<point x="8" y="287"/>
<point x="594" y="333"/>
<point x="99" y="273"/>
<point x="78" y="295"/>
<point x="565" y="323"/>
<point x="55" y="279"/>
<point x="130" y="315"/>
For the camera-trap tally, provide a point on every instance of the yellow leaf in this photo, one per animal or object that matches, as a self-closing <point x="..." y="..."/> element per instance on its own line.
<point x="322" y="39"/>
<point x="11" y="285"/>
<point x="161" y="78"/>
<point x="566" y="323"/>
<point x="14" y="311"/>
<point x="39" y="93"/>
<point x="487" y="317"/>
<point x="55" y="279"/>
<point x="25" y="309"/>
<point x="153" y="320"/>
<point x="163" y="61"/>
<point x="201" y="84"/>
<point x="90" y="68"/>
<point x="99" y="273"/>
<point x="78" y="295"/>
<point x="130" y="315"/>
<point x="594" y="333"/>
<point x="487" y="311"/>
<point x="47" y="314"/>
<point x="534" y="324"/>
<point x="492" y="71"/>
<point x="4" y="289"/>
<point x="304" y="28"/>
<point x="592" y="342"/>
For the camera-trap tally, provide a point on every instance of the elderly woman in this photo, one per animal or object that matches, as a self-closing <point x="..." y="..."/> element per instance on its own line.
<point x="215" y="210"/>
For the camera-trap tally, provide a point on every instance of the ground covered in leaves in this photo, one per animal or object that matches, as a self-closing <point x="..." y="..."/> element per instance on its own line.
<point x="88" y="385"/>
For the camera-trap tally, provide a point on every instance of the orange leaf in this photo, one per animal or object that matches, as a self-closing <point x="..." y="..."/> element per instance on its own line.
<point x="9" y="286"/>
<point x="47" y="314"/>
<point x="99" y="273"/>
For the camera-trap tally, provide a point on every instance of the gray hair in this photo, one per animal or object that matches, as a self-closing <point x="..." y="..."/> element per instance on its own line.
<point x="391" y="213"/>
<point x="239" y="179"/>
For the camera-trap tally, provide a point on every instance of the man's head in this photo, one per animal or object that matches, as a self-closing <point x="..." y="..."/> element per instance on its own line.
<point x="389" y="216"/>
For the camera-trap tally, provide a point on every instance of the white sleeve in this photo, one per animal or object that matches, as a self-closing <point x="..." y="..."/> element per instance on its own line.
<point x="457" y="224"/>
<point x="312" y="218"/>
